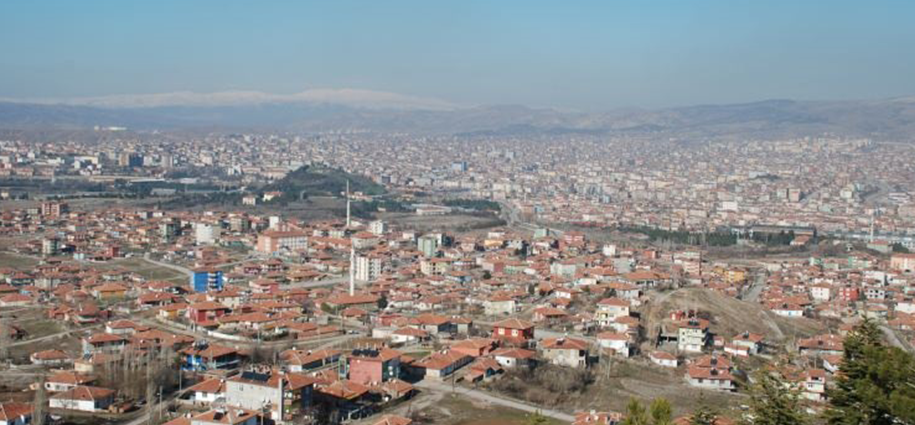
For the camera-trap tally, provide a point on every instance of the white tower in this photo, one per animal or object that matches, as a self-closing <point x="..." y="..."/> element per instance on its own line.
<point x="347" y="205"/>
<point x="352" y="269"/>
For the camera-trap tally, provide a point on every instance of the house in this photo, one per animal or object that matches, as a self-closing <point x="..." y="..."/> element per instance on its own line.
<point x="371" y="366"/>
<point x="594" y="417"/>
<point x="711" y="372"/>
<point x="511" y="358"/>
<point x="482" y="369"/>
<point x="513" y="331"/>
<point x="225" y="416"/>
<point x="51" y="357"/>
<point x="12" y="413"/>
<point x="563" y="351"/>
<point x="615" y="343"/>
<point x="753" y="343"/>
<point x="409" y="336"/>
<point x="820" y="345"/>
<point x="661" y="358"/>
<point x="104" y="343"/>
<point x="693" y="335"/>
<point x="813" y="385"/>
<point x="499" y="305"/>
<point x="285" y="393"/>
<point x="65" y="381"/>
<point x="440" y="365"/>
<point x="83" y="398"/>
<point x="475" y="347"/>
<point x="208" y="391"/>
<point x="609" y="309"/>
<point x="303" y="360"/>
<point x="202" y="357"/>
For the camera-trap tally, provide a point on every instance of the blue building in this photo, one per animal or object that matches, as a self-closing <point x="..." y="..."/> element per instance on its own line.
<point x="205" y="280"/>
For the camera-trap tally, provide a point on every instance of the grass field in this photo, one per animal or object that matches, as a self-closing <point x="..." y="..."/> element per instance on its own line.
<point x="18" y="262"/>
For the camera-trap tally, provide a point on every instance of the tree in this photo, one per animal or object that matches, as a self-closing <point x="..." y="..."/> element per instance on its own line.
<point x="876" y="384"/>
<point x="635" y="414"/>
<point x="536" y="419"/>
<point x="773" y="403"/>
<point x="660" y="412"/>
<point x="704" y="415"/>
<point x="39" y="410"/>
<point x="382" y="302"/>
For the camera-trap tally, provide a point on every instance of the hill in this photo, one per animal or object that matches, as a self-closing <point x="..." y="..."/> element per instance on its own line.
<point x="884" y="120"/>
<point x="321" y="181"/>
<point x="729" y="316"/>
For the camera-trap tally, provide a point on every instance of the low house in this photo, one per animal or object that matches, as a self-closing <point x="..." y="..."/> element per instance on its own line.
<point x="597" y="418"/>
<point x="65" y="381"/>
<point x="440" y="365"/>
<point x="50" y="358"/>
<point x="83" y="398"/>
<point x="225" y="416"/>
<point x="511" y="358"/>
<point x="513" y="331"/>
<point x="12" y="413"/>
<point x="711" y="372"/>
<point x="563" y="351"/>
<point x="661" y="358"/>
<point x="209" y="391"/>
<point x="203" y="357"/>
<point x="616" y="344"/>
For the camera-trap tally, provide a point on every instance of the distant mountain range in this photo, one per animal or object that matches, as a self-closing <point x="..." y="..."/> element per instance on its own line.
<point x="323" y="110"/>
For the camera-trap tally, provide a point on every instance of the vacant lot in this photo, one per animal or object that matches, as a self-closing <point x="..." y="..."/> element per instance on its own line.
<point x="455" y="410"/>
<point x="16" y="261"/>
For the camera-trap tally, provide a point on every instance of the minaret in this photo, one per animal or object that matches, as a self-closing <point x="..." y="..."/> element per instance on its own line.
<point x="347" y="205"/>
<point x="352" y="269"/>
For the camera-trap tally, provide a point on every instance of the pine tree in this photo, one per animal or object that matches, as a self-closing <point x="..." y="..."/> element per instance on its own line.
<point x="635" y="414"/>
<point x="660" y="412"/>
<point x="876" y="384"/>
<point x="773" y="403"/>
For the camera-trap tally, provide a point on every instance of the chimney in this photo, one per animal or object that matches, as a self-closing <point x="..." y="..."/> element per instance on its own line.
<point x="282" y="402"/>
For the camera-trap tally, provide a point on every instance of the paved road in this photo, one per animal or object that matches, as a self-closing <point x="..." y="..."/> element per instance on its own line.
<point x="759" y="282"/>
<point x="483" y="396"/>
<point x="894" y="339"/>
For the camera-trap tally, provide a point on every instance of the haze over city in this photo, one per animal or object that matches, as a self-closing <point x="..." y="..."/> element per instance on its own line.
<point x="457" y="213"/>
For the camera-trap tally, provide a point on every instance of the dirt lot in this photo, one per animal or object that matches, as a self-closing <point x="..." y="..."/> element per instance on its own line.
<point x="452" y="410"/>
<point x="18" y="262"/>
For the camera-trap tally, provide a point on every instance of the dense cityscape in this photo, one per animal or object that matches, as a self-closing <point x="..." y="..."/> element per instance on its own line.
<point x="457" y="213"/>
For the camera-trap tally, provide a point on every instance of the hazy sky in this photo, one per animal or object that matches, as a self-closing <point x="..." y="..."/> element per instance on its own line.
<point x="577" y="54"/>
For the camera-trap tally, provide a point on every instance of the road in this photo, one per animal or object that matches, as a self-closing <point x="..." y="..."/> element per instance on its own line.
<point x="186" y="271"/>
<point x="489" y="398"/>
<point x="894" y="340"/>
<point x="53" y="336"/>
<point x="759" y="282"/>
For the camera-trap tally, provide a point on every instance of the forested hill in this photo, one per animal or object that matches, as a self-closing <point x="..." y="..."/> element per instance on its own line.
<point x="322" y="181"/>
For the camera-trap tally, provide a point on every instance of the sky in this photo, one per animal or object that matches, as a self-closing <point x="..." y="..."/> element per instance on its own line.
<point x="583" y="55"/>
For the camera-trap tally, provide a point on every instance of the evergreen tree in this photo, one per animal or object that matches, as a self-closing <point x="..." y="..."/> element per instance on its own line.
<point x="876" y="384"/>
<point x="773" y="403"/>
<point x="661" y="412"/>
<point x="635" y="414"/>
